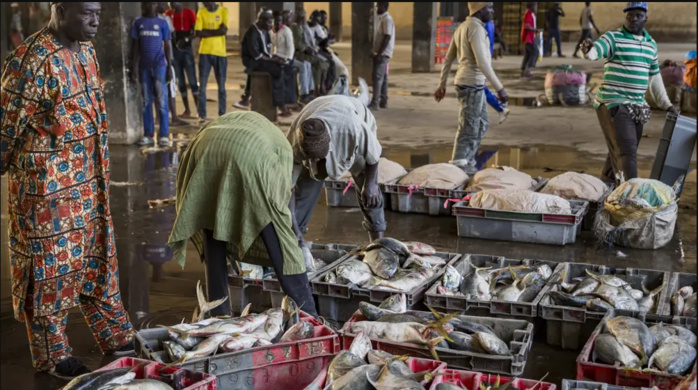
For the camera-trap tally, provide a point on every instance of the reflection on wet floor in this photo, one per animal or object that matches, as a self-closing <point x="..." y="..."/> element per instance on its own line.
<point x="157" y="291"/>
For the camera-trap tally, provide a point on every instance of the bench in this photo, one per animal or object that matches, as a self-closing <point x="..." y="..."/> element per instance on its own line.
<point x="260" y="99"/>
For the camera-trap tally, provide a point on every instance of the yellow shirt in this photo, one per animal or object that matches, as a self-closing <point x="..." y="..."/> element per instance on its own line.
<point x="206" y="20"/>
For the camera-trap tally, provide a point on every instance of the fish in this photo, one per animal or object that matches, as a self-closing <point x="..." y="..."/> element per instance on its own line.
<point x="373" y="312"/>
<point x="230" y="326"/>
<point x="174" y="350"/>
<point x="598" y="304"/>
<point x="636" y="294"/>
<point x="451" y="279"/>
<point x="241" y="342"/>
<point x="530" y="293"/>
<point x="100" y="379"/>
<point x="464" y="342"/>
<point x="565" y="299"/>
<point x="379" y="357"/>
<point x="419" y="248"/>
<point x="353" y="272"/>
<point x="344" y="362"/>
<point x="300" y="331"/>
<point x="634" y="334"/>
<point x="330" y="277"/>
<point x="391" y="244"/>
<point x="513" y="291"/>
<point x="689" y="306"/>
<point x="673" y="356"/>
<point x="661" y="331"/>
<point x="616" y="296"/>
<point x="450" y="293"/>
<point x="392" y="376"/>
<point x="383" y="262"/>
<point x="204" y="306"/>
<point x="646" y="303"/>
<point x="677" y="304"/>
<point x="319" y="264"/>
<point x="462" y="324"/>
<point x="607" y="349"/>
<point x="424" y="261"/>
<point x="396" y="303"/>
<point x="533" y="279"/>
<point x="361" y="345"/>
<point x="491" y="343"/>
<point x="408" y="282"/>
<point x="143" y="384"/>
<point x="610" y="280"/>
<point x="397" y="318"/>
<point x="586" y="286"/>
<point x="475" y="286"/>
<point x="272" y="328"/>
<point x="358" y="378"/>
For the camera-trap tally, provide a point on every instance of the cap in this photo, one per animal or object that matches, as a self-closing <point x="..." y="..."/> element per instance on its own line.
<point x="475" y="7"/>
<point x="636" y="5"/>
<point x="690" y="55"/>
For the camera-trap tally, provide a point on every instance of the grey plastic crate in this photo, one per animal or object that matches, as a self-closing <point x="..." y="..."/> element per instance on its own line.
<point x="495" y="307"/>
<point x="337" y="194"/>
<point x="537" y="228"/>
<point x="679" y="280"/>
<point x="517" y="334"/>
<point x="569" y="327"/>
<point x="571" y="384"/>
<point x="338" y="302"/>
<point x="329" y="253"/>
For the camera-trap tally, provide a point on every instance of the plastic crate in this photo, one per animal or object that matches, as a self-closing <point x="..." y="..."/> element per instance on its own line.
<point x="678" y="280"/>
<point x="340" y="193"/>
<point x="277" y="366"/>
<point x="472" y="380"/>
<point x="420" y="365"/>
<point x="338" y="302"/>
<point x="569" y="327"/>
<point x="495" y="307"/>
<point x="595" y="208"/>
<point x="518" y="334"/>
<point x="536" y="228"/>
<point x="570" y="384"/>
<point x="329" y="253"/>
<point x="616" y="375"/>
<point x="245" y="291"/>
<point x="175" y="377"/>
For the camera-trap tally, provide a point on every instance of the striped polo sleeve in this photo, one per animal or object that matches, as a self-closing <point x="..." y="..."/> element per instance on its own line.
<point x="605" y="45"/>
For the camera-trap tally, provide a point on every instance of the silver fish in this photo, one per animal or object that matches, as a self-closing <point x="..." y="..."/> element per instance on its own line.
<point x="464" y="342"/>
<point x="204" y="306"/>
<point x="533" y="279"/>
<point x="634" y="334"/>
<point x="444" y="291"/>
<point x="300" y="331"/>
<point x="607" y="349"/>
<point x="475" y="286"/>
<point x="239" y="343"/>
<point x="419" y="248"/>
<point x="344" y="362"/>
<point x="234" y="325"/>
<point x="463" y="324"/>
<point x="647" y="303"/>
<point x="616" y="296"/>
<point x="354" y="272"/>
<point x="396" y="303"/>
<point x="174" y="350"/>
<point x="100" y="379"/>
<point x="383" y="262"/>
<point x="373" y="312"/>
<point x="205" y="348"/>
<point x="391" y="244"/>
<point x="358" y="378"/>
<point x="319" y="264"/>
<point x="586" y="286"/>
<point x="143" y="384"/>
<point x="425" y="261"/>
<point x="360" y="346"/>
<point x="677" y="304"/>
<point x="491" y="343"/>
<point x="689" y="306"/>
<point x="408" y="282"/>
<point x="673" y="356"/>
<point x="391" y="377"/>
<point x="565" y="299"/>
<point x="272" y="327"/>
<point x="330" y="277"/>
<point x="636" y="294"/>
<point x="451" y="279"/>
<point x="662" y="331"/>
<point x="379" y="357"/>
<point x="598" y="304"/>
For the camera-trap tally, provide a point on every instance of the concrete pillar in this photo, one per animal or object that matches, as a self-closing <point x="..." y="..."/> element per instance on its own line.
<point x="423" y="37"/>
<point x="336" y="19"/>
<point x="248" y="15"/>
<point x="362" y="28"/>
<point x="123" y="97"/>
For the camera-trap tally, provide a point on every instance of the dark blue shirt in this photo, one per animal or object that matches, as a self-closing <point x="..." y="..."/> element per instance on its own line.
<point x="151" y="33"/>
<point x="489" y="26"/>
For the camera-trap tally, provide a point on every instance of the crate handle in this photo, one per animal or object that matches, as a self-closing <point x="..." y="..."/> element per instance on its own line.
<point x="410" y="189"/>
<point x="465" y="198"/>
<point x="349" y="184"/>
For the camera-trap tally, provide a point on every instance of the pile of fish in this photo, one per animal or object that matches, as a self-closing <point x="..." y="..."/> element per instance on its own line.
<point x="221" y="335"/>
<point x="115" y="379"/>
<point x="388" y="264"/>
<point x="363" y="368"/>
<point x="520" y="283"/>
<point x="683" y="302"/>
<point x="604" y="292"/>
<point x="392" y="322"/>
<point x="667" y="348"/>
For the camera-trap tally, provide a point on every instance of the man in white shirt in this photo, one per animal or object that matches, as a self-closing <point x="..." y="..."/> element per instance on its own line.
<point x="586" y="20"/>
<point x="333" y="135"/>
<point x="383" y="45"/>
<point x="470" y="45"/>
<point x="284" y="48"/>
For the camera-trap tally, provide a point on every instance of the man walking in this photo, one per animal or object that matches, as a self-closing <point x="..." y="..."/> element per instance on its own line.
<point x="528" y="38"/>
<point x="151" y="53"/>
<point x="622" y="92"/>
<point x="54" y="146"/>
<point x="471" y="47"/>
<point x="586" y="20"/>
<point x="307" y="51"/>
<point x="211" y="26"/>
<point x="383" y="45"/>
<point x="553" y="17"/>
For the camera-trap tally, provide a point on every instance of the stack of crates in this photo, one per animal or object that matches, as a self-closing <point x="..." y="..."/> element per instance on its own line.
<point x="445" y="26"/>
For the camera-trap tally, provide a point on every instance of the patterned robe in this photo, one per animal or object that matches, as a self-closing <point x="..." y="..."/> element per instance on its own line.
<point x="53" y="143"/>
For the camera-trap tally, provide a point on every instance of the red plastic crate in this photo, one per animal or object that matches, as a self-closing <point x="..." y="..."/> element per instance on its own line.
<point x="587" y="370"/>
<point x="421" y="365"/>
<point x="472" y="380"/>
<point x="177" y="378"/>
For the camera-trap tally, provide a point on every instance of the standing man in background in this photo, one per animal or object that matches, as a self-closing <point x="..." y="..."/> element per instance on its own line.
<point x="528" y="38"/>
<point x="151" y="53"/>
<point x="553" y="17"/>
<point x="586" y="20"/>
<point x="184" y="20"/>
<point x="383" y="45"/>
<point x="172" y="83"/>
<point x="491" y="98"/>
<point x="211" y="26"/>
<point x="307" y="51"/>
<point x="471" y="47"/>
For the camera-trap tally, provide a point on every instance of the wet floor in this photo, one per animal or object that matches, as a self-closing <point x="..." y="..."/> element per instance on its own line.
<point x="157" y="291"/>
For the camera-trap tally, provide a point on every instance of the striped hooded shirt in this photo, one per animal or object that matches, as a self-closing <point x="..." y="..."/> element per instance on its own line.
<point x="630" y="61"/>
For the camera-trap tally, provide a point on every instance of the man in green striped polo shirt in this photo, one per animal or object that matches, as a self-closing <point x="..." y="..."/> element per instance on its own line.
<point x="631" y="67"/>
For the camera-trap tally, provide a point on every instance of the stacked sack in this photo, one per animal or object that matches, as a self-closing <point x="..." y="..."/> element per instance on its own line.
<point x="442" y="176"/>
<point x="387" y="171"/>
<point x="573" y="185"/>
<point x="672" y="77"/>
<point x="640" y="213"/>
<point x="500" y="178"/>
<point x="565" y="85"/>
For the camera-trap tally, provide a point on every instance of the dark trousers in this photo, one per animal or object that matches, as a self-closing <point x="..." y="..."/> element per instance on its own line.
<point x="530" y="56"/>
<point x="331" y="69"/>
<point x="220" y="69"/>
<point x="586" y="33"/>
<point x="276" y="71"/>
<point x="627" y="135"/>
<point x="296" y="287"/>
<point x="184" y="65"/>
<point x="380" y="80"/>
<point x="553" y="33"/>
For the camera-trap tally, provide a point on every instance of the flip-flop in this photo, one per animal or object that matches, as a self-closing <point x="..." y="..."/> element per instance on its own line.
<point x="186" y="116"/>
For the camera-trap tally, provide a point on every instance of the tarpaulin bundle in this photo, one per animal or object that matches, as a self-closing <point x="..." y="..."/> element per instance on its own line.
<point x="565" y="85"/>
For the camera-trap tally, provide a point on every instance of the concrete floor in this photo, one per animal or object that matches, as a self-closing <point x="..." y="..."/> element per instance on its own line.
<point x="414" y="131"/>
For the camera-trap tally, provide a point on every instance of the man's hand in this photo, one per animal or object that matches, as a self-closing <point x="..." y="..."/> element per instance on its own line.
<point x="278" y="60"/>
<point x="586" y="45"/>
<point x="439" y="94"/>
<point x="372" y="195"/>
<point x="503" y="96"/>
<point x="673" y="110"/>
<point x="168" y="74"/>
<point x="374" y="54"/>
